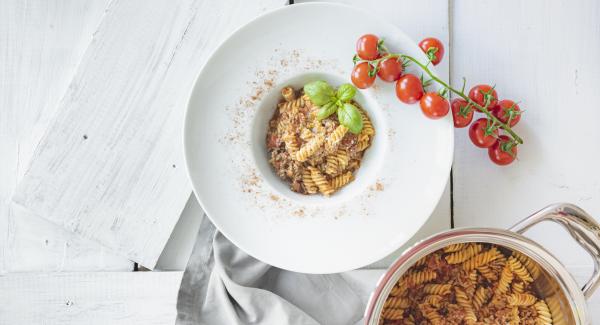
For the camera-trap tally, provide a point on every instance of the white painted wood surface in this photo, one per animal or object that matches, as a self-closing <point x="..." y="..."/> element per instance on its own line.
<point x="89" y="298"/>
<point x="543" y="53"/>
<point x="41" y="43"/>
<point x="110" y="166"/>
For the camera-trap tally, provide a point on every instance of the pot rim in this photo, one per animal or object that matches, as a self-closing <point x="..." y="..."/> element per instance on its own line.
<point x="501" y="237"/>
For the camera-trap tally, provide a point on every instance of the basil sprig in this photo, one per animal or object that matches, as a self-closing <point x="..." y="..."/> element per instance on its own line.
<point x="322" y="94"/>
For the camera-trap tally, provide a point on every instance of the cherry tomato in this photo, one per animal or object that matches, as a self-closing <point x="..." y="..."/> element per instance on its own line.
<point x="478" y="94"/>
<point x="366" y="47"/>
<point x="434" y="49"/>
<point x="461" y="114"/>
<point x="503" y="152"/>
<point x="434" y="105"/>
<point x="390" y="69"/>
<point x="482" y="135"/>
<point x="507" y="109"/>
<point x="360" y="75"/>
<point x="409" y="89"/>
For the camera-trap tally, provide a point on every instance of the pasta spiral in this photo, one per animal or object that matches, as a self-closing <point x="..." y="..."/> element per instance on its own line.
<point x="332" y="165"/>
<point x="321" y="182"/>
<point x="397" y="302"/>
<point x="420" y="277"/>
<point x="518" y="287"/>
<point x="309" y="148"/>
<point x="464" y="254"/>
<point x="480" y="297"/>
<point x="515" y="319"/>
<point x="521" y="299"/>
<point x="288" y="94"/>
<point x="463" y="300"/>
<point x="544" y="317"/>
<point x="487" y="272"/>
<point x="529" y="264"/>
<point x="519" y="269"/>
<point x="454" y="247"/>
<point x="430" y="314"/>
<point x="291" y="144"/>
<point x="362" y="145"/>
<point x="481" y="259"/>
<point x="308" y="182"/>
<point x="367" y="125"/>
<point x="341" y="180"/>
<point x="335" y="137"/>
<point x="342" y="158"/>
<point x="506" y="278"/>
<point x="398" y="290"/>
<point x="473" y="277"/>
<point x="437" y="289"/>
<point x="393" y="313"/>
<point x="433" y="300"/>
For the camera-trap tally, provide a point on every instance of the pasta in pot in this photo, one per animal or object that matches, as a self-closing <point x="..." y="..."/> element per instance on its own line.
<point x="312" y="155"/>
<point x="468" y="283"/>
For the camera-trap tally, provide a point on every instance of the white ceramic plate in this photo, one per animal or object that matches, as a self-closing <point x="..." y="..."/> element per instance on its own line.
<point x="397" y="187"/>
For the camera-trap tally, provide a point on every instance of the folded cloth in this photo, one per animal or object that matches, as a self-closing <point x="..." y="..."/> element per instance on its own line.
<point x="224" y="285"/>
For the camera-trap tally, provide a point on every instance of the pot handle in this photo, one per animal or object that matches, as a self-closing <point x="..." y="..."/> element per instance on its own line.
<point x="582" y="227"/>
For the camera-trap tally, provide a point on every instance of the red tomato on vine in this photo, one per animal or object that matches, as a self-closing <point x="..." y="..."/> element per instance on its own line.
<point x="362" y="75"/>
<point x="462" y="113"/>
<point x="433" y="48"/>
<point x="367" y="47"/>
<point x="503" y="152"/>
<point x="409" y="89"/>
<point x="434" y="105"/>
<point x="482" y="133"/>
<point x="507" y="110"/>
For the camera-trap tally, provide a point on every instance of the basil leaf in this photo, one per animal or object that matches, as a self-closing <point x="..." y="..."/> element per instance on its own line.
<point x="319" y="92"/>
<point x="349" y="116"/>
<point x="326" y="110"/>
<point x="346" y="92"/>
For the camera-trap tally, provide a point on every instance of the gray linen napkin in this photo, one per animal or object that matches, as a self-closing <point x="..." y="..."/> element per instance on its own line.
<point x="224" y="285"/>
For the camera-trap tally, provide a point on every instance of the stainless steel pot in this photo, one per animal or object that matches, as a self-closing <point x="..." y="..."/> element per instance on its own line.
<point x="564" y="297"/>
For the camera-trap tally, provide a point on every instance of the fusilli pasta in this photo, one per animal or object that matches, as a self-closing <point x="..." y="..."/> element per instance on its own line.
<point x="519" y="269"/>
<point x="544" y="317"/>
<point x="445" y="287"/>
<point x="298" y="139"/>
<point x="464" y="254"/>
<point x="521" y="299"/>
<point x="341" y="180"/>
<point x="321" y="182"/>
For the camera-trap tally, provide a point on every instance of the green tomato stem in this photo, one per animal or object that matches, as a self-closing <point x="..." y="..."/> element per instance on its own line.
<point x="461" y="94"/>
<point x="495" y="121"/>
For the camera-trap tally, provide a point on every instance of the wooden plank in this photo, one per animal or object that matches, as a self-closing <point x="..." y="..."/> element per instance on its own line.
<point x="408" y="16"/>
<point x="41" y="42"/>
<point x="543" y="54"/>
<point x="89" y="298"/>
<point x="110" y="166"/>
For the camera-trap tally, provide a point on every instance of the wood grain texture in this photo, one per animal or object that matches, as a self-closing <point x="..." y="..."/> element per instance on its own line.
<point x="41" y="43"/>
<point x="89" y="298"/>
<point x="543" y="54"/>
<point x="412" y="23"/>
<point x="110" y="166"/>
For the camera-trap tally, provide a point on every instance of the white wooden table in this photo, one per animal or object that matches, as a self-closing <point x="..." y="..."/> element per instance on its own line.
<point x="539" y="52"/>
